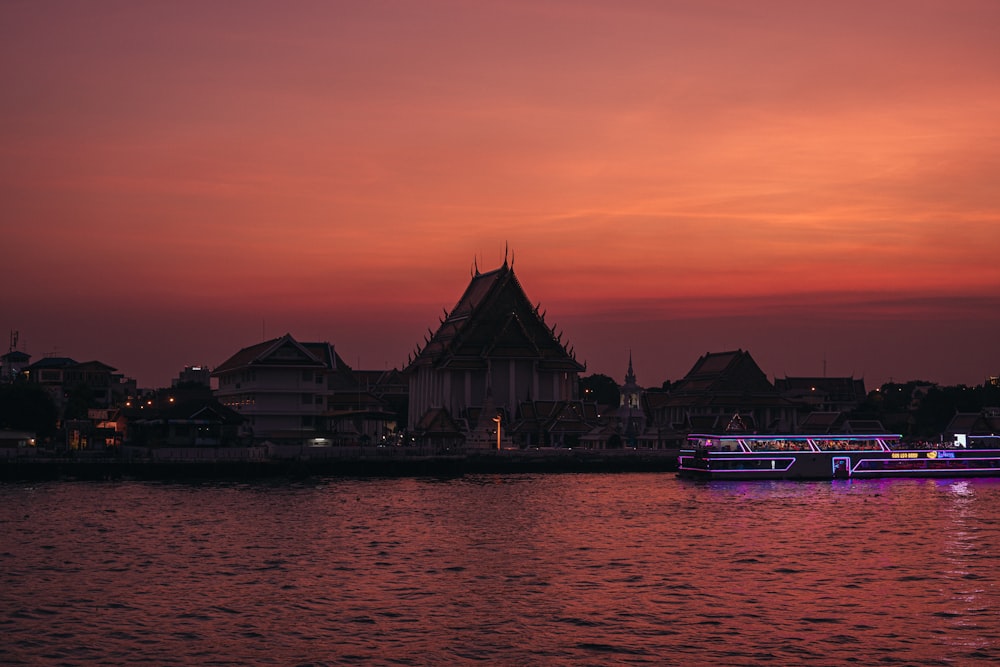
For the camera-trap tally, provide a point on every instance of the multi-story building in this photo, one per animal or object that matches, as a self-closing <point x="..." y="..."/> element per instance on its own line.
<point x="282" y="387"/>
<point x="192" y="376"/>
<point x="12" y="365"/>
<point x="823" y="394"/>
<point x="94" y="384"/>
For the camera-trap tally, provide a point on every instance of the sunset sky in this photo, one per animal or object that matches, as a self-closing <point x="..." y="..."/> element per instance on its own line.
<point x="815" y="182"/>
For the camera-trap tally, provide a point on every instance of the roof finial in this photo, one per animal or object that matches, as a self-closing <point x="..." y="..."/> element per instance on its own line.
<point x="505" y="250"/>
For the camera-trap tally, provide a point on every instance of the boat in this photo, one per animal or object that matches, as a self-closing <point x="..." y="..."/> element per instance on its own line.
<point x="746" y="457"/>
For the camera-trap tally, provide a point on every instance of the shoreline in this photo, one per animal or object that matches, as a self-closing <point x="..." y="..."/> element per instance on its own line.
<point x="445" y="465"/>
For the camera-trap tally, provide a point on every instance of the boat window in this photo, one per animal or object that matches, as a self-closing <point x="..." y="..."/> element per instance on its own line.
<point x="847" y="445"/>
<point x="719" y="444"/>
<point x="778" y="445"/>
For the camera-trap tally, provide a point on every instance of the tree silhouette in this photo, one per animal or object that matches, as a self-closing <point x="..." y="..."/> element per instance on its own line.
<point x="600" y="388"/>
<point x="27" y="407"/>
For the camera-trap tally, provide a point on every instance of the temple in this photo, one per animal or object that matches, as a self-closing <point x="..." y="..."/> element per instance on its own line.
<point x="492" y="352"/>
<point x="725" y="391"/>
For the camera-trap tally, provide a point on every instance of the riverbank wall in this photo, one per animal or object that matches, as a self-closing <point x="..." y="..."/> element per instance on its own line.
<point x="447" y="464"/>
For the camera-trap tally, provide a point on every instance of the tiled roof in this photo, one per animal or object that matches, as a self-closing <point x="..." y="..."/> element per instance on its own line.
<point x="974" y="423"/>
<point x="210" y="409"/>
<point x="94" y="366"/>
<point x="734" y="371"/>
<point x="555" y="416"/>
<point x="723" y="379"/>
<point x="52" y="362"/>
<point x="310" y="355"/>
<point x="820" y="422"/>
<point x="864" y="426"/>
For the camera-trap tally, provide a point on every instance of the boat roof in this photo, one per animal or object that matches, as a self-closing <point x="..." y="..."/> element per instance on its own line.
<point x="794" y="436"/>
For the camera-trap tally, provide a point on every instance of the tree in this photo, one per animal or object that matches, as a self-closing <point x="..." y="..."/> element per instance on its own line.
<point x="600" y="388"/>
<point x="78" y="402"/>
<point x="27" y="407"/>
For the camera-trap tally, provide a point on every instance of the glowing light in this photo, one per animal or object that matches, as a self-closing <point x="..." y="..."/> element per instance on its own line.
<point x="496" y="420"/>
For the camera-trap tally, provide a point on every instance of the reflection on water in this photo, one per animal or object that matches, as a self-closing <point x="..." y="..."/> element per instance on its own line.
<point x="532" y="569"/>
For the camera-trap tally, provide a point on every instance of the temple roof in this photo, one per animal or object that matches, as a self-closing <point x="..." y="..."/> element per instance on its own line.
<point x="725" y="373"/>
<point x="494" y="319"/>
<point x="719" y="380"/>
<point x="985" y="422"/>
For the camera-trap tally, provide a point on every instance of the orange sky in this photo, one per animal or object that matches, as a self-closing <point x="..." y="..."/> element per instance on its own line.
<point x="805" y="180"/>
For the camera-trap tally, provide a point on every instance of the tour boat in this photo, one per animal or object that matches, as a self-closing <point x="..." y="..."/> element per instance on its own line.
<point x="743" y="456"/>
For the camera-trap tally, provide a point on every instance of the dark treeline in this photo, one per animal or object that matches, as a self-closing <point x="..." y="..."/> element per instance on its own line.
<point x="921" y="409"/>
<point x="27" y="407"/>
<point x="915" y="409"/>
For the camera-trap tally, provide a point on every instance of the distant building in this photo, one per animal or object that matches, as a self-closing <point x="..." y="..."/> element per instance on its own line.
<point x="100" y="380"/>
<point x="823" y="394"/>
<point x="969" y="424"/>
<point x="196" y="423"/>
<point x="382" y="398"/>
<point x="493" y="350"/>
<point x="624" y="424"/>
<point x="823" y="422"/>
<point x="555" y="424"/>
<point x="281" y="386"/>
<point x="725" y="391"/>
<point x="12" y="364"/>
<point x="630" y="416"/>
<point x="299" y="393"/>
<point x="193" y="375"/>
<point x="62" y="376"/>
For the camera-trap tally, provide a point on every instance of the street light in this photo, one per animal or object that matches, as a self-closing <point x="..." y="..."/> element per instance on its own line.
<point x="496" y="420"/>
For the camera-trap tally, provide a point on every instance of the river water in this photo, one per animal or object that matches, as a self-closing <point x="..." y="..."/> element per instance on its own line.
<point x="559" y="569"/>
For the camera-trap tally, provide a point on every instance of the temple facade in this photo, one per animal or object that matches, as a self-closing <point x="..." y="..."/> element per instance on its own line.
<point x="491" y="352"/>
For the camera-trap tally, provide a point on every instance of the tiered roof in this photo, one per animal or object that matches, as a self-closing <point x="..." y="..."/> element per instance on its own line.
<point x="985" y="422"/>
<point x="494" y="319"/>
<point x="577" y="417"/>
<point x="720" y="378"/>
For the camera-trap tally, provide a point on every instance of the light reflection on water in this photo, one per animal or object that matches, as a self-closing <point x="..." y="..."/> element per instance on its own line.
<point x="530" y="569"/>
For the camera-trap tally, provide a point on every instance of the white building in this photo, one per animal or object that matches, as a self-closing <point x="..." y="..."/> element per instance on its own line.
<point x="283" y="388"/>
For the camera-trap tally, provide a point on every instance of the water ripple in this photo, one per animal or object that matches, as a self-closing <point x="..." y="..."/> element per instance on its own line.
<point x="532" y="569"/>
